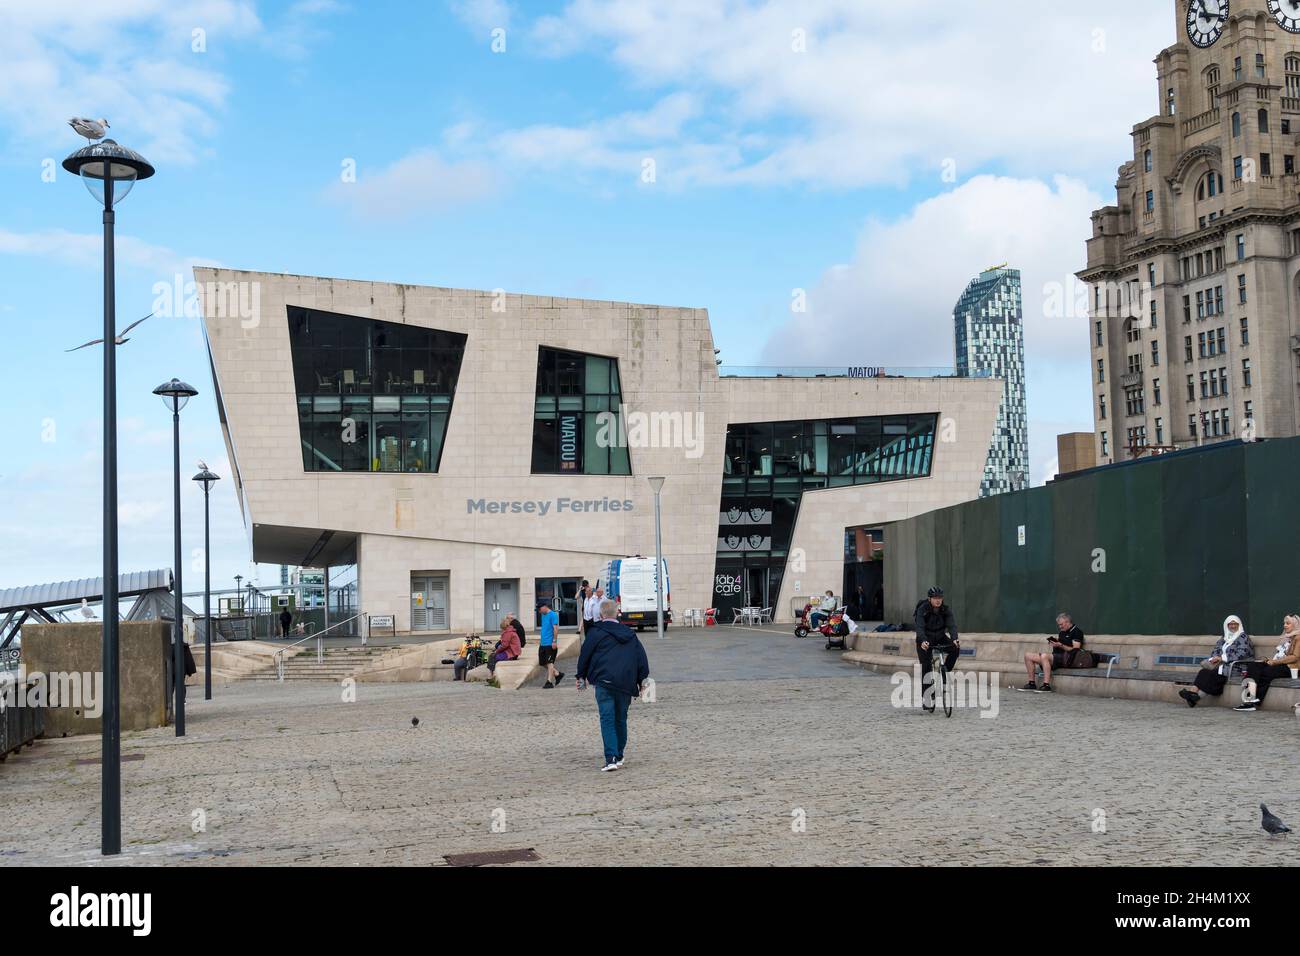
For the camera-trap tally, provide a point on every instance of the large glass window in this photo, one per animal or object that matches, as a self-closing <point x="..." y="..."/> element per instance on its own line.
<point x="372" y="396"/>
<point x="578" y="425"/>
<point x="767" y="467"/>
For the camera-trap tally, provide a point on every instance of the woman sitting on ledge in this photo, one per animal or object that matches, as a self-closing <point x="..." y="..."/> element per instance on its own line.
<point x="507" y="648"/>
<point x="1259" y="674"/>
<point x="1234" y="646"/>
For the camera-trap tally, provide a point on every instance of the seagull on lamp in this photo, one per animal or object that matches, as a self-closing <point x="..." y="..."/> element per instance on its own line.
<point x="92" y="129"/>
<point x="118" y="340"/>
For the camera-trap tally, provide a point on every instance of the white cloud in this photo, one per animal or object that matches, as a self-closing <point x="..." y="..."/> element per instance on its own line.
<point x="892" y="303"/>
<point x="482" y="16"/>
<point x="896" y="295"/>
<point x="86" y="250"/>
<point x="884" y="93"/>
<point x="129" y="60"/>
<point x="134" y="62"/>
<point x="420" y="182"/>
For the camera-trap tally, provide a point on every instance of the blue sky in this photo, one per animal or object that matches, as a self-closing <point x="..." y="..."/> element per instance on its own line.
<point x="875" y="156"/>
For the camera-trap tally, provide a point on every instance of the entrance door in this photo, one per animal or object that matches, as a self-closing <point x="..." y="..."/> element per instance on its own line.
<point x="500" y="598"/>
<point x="562" y="595"/>
<point x="756" y="586"/>
<point x="429" y="603"/>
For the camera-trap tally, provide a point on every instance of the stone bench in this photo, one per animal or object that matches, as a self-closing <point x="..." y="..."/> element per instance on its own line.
<point x="1116" y="676"/>
<point x="526" y="671"/>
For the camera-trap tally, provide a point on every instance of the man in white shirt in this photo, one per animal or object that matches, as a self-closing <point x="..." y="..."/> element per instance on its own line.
<point x="591" y="610"/>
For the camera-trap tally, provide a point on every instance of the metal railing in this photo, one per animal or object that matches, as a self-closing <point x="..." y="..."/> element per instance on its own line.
<point x="844" y="371"/>
<point x="319" y="638"/>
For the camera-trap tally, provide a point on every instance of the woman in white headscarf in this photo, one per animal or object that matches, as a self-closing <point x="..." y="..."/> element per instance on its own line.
<point x="1259" y="674"/>
<point x="1234" y="646"/>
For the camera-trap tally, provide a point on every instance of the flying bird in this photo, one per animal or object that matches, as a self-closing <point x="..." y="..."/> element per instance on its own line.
<point x="1271" y="824"/>
<point x="90" y="128"/>
<point x="203" y="465"/>
<point x="119" y="340"/>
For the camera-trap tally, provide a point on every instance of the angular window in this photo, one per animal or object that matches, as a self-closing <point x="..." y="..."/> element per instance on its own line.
<point x="578" y="426"/>
<point x="372" y="396"/>
<point x="766" y="470"/>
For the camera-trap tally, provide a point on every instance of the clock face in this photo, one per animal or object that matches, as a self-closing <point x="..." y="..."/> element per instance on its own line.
<point x="1205" y="21"/>
<point x="1286" y="13"/>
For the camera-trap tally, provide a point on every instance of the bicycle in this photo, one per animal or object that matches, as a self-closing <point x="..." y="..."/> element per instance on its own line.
<point x="945" y="689"/>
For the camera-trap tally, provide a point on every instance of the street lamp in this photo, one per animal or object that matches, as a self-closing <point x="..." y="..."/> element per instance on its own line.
<point x="207" y="479"/>
<point x="657" y="485"/>
<point x="109" y="171"/>
<point x="176" y="395"/>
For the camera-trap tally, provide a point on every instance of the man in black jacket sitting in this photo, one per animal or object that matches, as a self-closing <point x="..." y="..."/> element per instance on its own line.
<point x="613" y="661"/>
<point x="936" y="628"/>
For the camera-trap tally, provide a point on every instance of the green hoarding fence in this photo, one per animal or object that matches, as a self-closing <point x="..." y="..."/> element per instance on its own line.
<point x="1165" y="545"/>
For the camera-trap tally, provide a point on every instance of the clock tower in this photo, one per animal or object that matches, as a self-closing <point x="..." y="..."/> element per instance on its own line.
<point x="1194" y="272"/>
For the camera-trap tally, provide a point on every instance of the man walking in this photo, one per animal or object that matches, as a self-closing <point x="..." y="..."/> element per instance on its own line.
<point x="613" y="661"/>
<point x="548" y="644"/>
<point x="286" y="619"/>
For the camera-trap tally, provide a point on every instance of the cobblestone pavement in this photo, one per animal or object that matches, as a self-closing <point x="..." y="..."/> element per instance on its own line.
<point x="720" y="771"/>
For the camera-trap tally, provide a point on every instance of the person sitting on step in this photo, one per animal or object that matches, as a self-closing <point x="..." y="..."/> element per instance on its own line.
<point x="1069" y="639"/>
<point x="1259" y="674"/>
<point x="1234" y="646"/>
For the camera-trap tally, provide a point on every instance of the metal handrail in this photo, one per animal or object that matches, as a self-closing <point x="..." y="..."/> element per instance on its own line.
<point x="320" y="647"/>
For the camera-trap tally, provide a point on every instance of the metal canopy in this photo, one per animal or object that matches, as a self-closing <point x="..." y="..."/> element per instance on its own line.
<point x="34" y="596"/>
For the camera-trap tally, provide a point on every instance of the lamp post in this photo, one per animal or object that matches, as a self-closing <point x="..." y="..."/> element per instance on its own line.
<point x="176" y="395"/>
<point x="239" y="595"/>
<point x="657" y="484"/>
<point x="109" y="171"/>
<point x="207" y="479"/>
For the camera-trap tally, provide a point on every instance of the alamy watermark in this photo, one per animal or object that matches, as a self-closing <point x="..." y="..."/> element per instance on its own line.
<point x="83" y="690"/>
<point x="973" y="690"/>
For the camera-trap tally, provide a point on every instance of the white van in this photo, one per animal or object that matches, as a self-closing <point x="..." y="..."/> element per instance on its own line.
<point x="631" y="582"/>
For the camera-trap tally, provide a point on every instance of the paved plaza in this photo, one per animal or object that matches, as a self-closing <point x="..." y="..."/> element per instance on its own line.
<point x="759" y="749"/>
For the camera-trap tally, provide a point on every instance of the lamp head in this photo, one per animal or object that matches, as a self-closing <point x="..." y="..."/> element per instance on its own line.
<point x="108" y="163"/>
<point x="175" y="394"/>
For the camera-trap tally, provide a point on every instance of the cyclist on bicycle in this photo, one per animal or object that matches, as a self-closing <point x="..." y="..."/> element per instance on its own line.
<point x="936" y="629"/>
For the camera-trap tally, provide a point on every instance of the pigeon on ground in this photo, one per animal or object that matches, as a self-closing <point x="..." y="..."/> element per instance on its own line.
<point x="415" y="721"/>
<point x="90" y="128"/>
<point x="118" y="340"/>
<point x="1271" y="824"/>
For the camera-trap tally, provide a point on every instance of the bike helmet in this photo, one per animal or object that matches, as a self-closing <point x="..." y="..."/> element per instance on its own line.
<point x="935" y="592"/>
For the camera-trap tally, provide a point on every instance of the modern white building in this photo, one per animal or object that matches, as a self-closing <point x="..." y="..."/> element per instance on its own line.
<point x="989" y="339"/>
<point x="473" y="452"/>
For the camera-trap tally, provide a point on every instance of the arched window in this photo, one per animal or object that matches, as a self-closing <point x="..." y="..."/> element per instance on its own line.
<point x="1263" y="121"/>
<point x="1292" y="64"/>
<point x="1200" y="190"/>
<point x="1212" y="86"/>
<point x="1236" y="125"/>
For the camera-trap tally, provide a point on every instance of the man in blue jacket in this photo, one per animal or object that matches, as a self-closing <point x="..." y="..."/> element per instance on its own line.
<point x="613" y="661"/>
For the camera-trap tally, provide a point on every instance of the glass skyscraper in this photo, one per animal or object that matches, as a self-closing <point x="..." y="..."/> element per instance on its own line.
<point x="990" y="340"/>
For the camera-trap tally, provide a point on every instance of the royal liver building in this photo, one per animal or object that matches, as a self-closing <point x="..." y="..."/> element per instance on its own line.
<point x="990" y="341"/>
<point x="1192" y="274"/>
